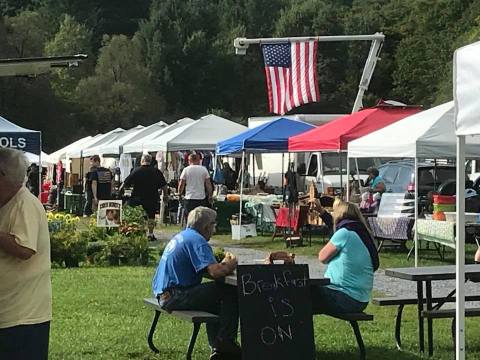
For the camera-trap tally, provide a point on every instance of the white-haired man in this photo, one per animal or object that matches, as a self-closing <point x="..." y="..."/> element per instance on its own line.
<point x="178" y="282"/>
<point x="25" y="287"/>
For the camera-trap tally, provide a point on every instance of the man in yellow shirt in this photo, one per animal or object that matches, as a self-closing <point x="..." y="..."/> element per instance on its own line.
<point x="25" y="286"/>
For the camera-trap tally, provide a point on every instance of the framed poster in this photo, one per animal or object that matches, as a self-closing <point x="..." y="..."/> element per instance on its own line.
<point x="109" y="213"/>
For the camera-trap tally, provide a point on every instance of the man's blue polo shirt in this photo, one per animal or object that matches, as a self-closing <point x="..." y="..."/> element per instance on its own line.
<point x="186" y="255"/>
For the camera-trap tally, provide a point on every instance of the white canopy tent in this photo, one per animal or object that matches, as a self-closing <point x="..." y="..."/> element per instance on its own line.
<point x="466" y="93"/>
<point x="145" y="132"/>
<point x="203" y="134"/>
<point x="80" y="151"/>
<point x="138" y="146"/>
<point x="428" y="134"/>
<point x="62" y="153"/>
<point x="113" y="147"/>
<point x="46" y="159"/>
<point x="97" y="149"/>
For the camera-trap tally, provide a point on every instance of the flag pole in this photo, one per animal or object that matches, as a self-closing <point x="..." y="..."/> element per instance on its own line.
<point x="241" y="45"/>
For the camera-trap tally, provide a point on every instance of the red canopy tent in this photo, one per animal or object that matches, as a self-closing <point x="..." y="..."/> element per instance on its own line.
<point x="335" y="135"/>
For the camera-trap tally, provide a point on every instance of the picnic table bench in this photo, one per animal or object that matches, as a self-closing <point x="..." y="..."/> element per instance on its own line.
<point x="353" y="319"/>
<point x="402" y="301"/>
<point x="426" y="275"/>
<point x="199" y="317"/>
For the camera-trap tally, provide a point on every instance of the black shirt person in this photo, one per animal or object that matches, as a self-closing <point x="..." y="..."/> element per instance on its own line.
<point x="98" y="185"/>
<point x="146" y="181"/>
<point x="33" y="180"/>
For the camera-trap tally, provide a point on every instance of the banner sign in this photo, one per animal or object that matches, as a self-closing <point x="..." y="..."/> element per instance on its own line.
<point x="25" y="141"/>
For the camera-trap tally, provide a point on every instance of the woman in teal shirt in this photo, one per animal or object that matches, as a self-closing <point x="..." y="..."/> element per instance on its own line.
<point x="351" y="257"/>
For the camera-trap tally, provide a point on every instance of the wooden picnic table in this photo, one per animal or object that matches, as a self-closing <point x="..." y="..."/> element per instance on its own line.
<point x="426" y="275"/>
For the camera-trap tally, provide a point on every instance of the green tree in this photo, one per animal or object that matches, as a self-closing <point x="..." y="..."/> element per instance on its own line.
<point x="27" y="33"/>
<point x="119" y="93"/>
<point x="71" y="38"/>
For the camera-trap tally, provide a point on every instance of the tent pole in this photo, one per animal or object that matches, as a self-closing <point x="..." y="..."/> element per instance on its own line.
<point x="341" y="173"/>
<point x="358" y="173"/>
<point x="416" y="211"/>
<point x="253" y="167"/>
<point x="40" y="169"/>
<point x="460" y="252"/>
<point x="241" y="191"/>
<point x="348" y="174"/>
<point x="283" y="175"/>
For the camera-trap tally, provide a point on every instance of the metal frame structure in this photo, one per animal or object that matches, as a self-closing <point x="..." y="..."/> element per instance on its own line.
<point x="38" y="65"/>
<point x="241" y="45"/>
<point x="35" y="66"/>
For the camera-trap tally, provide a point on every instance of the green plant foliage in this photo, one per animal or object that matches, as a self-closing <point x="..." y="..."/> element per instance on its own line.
<point x="67" y="248"/>
<point x="125" y="250"/>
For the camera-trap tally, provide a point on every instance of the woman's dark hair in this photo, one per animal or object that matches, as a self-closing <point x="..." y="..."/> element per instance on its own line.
<point x="373" y="171"/>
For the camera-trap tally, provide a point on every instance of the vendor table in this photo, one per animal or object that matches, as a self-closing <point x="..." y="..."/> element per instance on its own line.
<point x="225" y="210"/>
<point x="398" y="229"/>
<point x="442" y="233"/>
<point x="426" y="275"/>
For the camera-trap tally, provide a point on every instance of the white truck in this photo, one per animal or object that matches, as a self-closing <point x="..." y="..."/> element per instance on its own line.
<point x="270" y="165"/>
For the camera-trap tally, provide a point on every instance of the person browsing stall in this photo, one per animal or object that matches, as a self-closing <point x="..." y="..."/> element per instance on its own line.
<point x="195" y="180"/>
<point x="25" y="286"/>
<point x="375" y="182"/>
<point x="351" y="258"/>
<point x="147" y="181"/>
<point x="98" y="185"/>
<point x="177" y="282"/>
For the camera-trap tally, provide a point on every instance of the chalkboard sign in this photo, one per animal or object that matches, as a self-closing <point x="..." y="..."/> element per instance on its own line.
<point x="275" y="312"/>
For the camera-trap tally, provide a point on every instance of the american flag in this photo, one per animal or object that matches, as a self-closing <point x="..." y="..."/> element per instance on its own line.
<point x="291" y="70"/>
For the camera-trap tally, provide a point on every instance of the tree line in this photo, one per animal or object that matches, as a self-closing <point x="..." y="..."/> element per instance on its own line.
<point x="152" y="60"/>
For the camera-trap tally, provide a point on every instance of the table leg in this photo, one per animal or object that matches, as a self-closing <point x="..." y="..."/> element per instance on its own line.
<point x="421" y="342"/>
<point x="428" y="289"/>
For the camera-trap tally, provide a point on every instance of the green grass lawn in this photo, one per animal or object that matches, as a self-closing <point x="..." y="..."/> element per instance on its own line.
<point x="99" y="314"/>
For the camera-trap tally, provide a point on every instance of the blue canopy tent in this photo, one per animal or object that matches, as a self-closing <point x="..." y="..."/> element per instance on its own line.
<point x="16" y="137"/>
<point x="271" y="137"/>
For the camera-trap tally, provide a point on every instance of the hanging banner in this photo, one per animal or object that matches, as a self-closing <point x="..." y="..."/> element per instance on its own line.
<point x="25" y="141"/>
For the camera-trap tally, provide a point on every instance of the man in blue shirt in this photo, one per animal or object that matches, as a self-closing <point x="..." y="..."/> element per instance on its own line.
<point x="178" y="281"/>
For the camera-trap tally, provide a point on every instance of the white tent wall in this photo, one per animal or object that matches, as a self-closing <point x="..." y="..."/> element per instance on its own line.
<point x="466" y="91"/>
<point x="61" y="153"/>
<point x="147" y="131"/>
<point x="111" y="136"/>
<point x="139" y="145"/>
<point x="77" y="151"/>
<point x="203" y="134"/>
<point x="113" y="148"/>
<point x="160" y="143"/>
